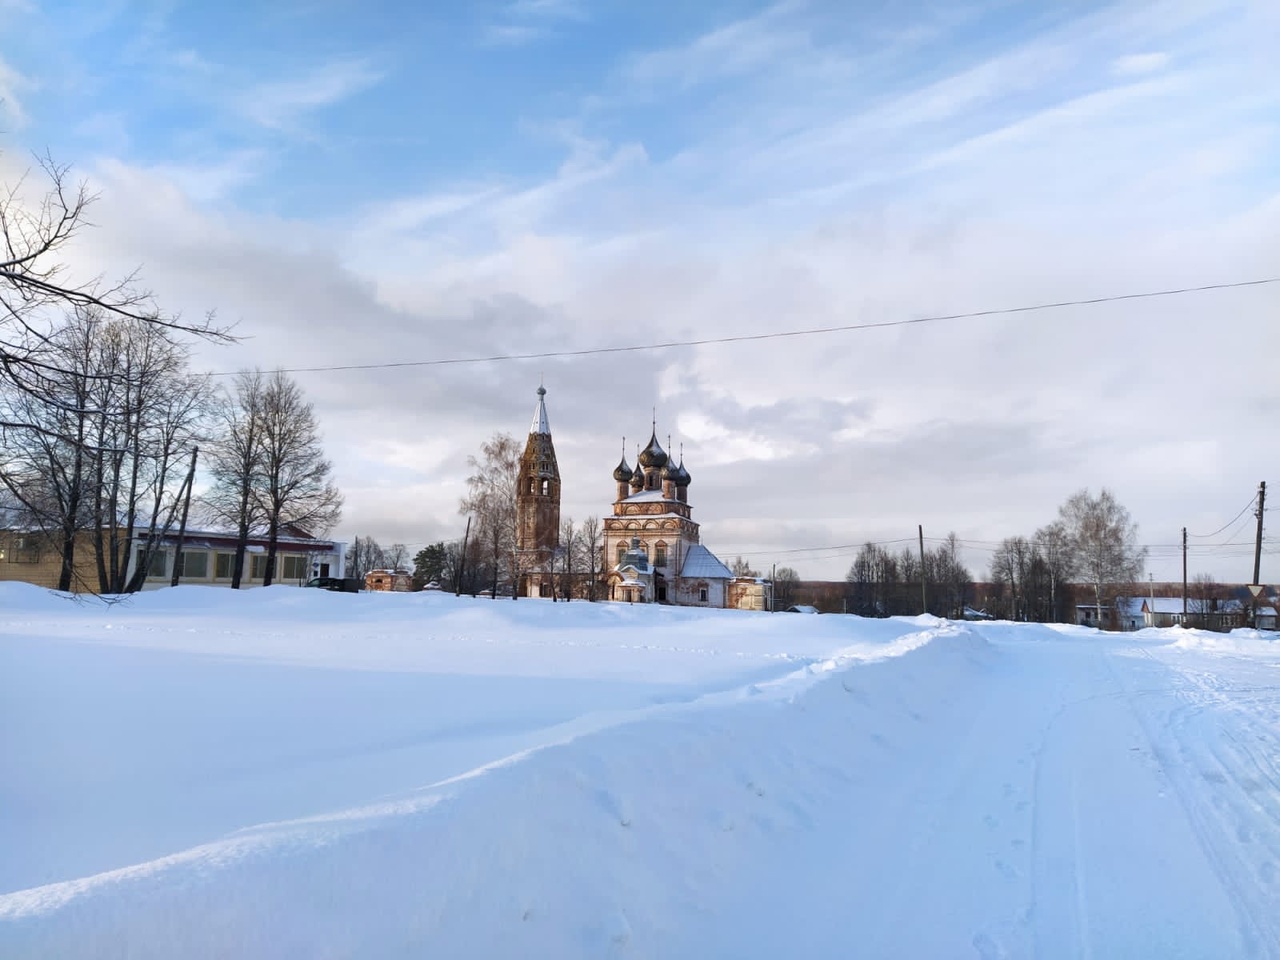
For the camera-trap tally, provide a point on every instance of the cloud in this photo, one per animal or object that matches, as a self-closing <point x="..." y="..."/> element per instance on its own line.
<point x="735" y="48"/>
<point x="280" y="104"/>
<point x="1139" y="63"/>
<point x="11" y="81"/>
<point x="524" y="22"/>
<point x="205" y="183"/>
<point x="511" y="34"/>
<point x="547" y="9"/>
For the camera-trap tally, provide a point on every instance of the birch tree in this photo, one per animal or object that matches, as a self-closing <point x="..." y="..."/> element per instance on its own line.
<point x="295" y="488"/>
<point x="491" y="501"/>
<point x="1104" y="543"/>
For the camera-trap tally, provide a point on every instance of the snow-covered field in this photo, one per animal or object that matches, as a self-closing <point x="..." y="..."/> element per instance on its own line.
<point x="285" y="773"/>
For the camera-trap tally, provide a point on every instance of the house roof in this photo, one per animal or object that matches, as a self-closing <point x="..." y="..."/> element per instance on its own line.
<point x="1174" y="605"/>
<point x="700" y="563"/>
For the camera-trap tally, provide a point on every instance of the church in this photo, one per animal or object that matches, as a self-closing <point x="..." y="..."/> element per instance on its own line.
<point x="652" y="550"/>
<point x="652" y="547"/>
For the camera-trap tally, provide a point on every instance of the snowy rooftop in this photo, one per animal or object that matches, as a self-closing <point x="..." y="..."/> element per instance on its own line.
<point x="646" y="496"/>
<point x="1193" y="605"/>
<point x="701" y="564"/>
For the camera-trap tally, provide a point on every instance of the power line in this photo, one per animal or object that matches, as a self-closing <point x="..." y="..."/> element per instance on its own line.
<point x="1205" y="536"/>
<point x="777" y="335"/>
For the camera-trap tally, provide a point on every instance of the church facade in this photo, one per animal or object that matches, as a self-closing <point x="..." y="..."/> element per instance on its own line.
<point x="652" y="546"/>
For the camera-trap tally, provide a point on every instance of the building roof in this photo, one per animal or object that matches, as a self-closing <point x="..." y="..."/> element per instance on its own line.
<point x="540" y="423"/>
<point x="647" y="496"/>
<point x="1194" y="605"/>
<point x="700" y="563"/>
<point x="197" y="539"/>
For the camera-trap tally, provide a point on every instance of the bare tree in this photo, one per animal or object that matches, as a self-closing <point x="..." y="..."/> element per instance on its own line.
<point x="365" y="555"/>
<point x="103" y="424"/>
<point x="235" y="463"/>
<point x="37" y="224"/>
<point x="397" y="557"/>
<point x="740" y="568"/>
<point x="1204" y="594"/>
<point x="1011" y="564"/>
<point x="45" y="467"/>
<point x="785" y="582"/>
<point x="491" y="500"/>
<point x="568" y="553"/>
<point x="294" y="489"/>
<point x="590" y="544"/>
<point x="1053" y="544"/>
<point x="1104" y="543"/>
<point x="873" y="582"/>
<point x="953" y="577"/>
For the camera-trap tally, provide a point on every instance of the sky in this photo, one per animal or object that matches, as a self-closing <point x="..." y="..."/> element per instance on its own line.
<point x="413" y="183"/>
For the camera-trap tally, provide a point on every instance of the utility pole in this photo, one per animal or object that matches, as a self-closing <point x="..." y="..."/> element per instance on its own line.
<point x="924" y="599"/>
<point x="1256" y="588"/>
<point x="462" y="562"/>
<point x="1184" y="577"/>
<point x="1257" y="546"/>
<point x="186" y="508"/>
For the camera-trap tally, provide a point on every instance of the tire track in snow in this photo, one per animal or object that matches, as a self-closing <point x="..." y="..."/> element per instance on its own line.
<point x="1215" y="805"/>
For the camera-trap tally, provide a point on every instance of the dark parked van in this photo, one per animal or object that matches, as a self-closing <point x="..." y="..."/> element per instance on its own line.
<point x="339" y="584"/>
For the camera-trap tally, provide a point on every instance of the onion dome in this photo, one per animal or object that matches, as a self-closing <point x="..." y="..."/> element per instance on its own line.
<point x="653" y="455"/>
<point x="682" y="478"/>
<point x="670" y="472"/>
<point x="623" y="472"/>
<point x="637" y="478"/>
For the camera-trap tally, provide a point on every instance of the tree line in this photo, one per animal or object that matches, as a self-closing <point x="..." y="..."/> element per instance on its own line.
<point x="1093" y="543"/>
<point x="103" y="422"/>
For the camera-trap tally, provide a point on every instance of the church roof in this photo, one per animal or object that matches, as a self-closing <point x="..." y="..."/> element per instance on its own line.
<point x="540" y="423"/>
<point x="701" y="564"/>
<point x="653" y="455"/>
<point x="646" y="495"/>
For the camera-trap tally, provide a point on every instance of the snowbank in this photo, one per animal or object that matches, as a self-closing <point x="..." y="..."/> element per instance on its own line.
<point x="297" y="773"/>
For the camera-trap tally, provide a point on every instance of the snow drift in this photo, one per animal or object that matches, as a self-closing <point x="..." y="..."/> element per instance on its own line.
<point x="285" y="773"/>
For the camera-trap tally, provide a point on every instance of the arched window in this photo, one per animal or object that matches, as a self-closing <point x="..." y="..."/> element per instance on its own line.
<point x="546" y="487"/>
<point x="660" y="555"/>
<point x="622" y="549"/>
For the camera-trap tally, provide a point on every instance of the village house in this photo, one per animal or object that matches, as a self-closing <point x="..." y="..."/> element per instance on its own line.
<point x="390" y="581"/>
<point x="207" y="557"/>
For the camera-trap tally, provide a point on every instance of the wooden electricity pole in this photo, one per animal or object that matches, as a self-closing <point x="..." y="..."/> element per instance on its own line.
<point x="462" y="561"/>
<point x="1257" y="546"/>
<point x="924" y="598"/>
<point x="186" y="509"/>
<point x="1184" y="578"/>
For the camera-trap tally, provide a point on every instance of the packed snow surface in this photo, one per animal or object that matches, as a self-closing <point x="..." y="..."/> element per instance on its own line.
<point x="292" y="773"/>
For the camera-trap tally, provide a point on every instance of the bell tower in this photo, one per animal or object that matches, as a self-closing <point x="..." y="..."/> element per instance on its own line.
<point x="538" y="506"/>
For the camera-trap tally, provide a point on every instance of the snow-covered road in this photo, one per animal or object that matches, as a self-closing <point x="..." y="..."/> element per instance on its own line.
<point x="413" y="776"/>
